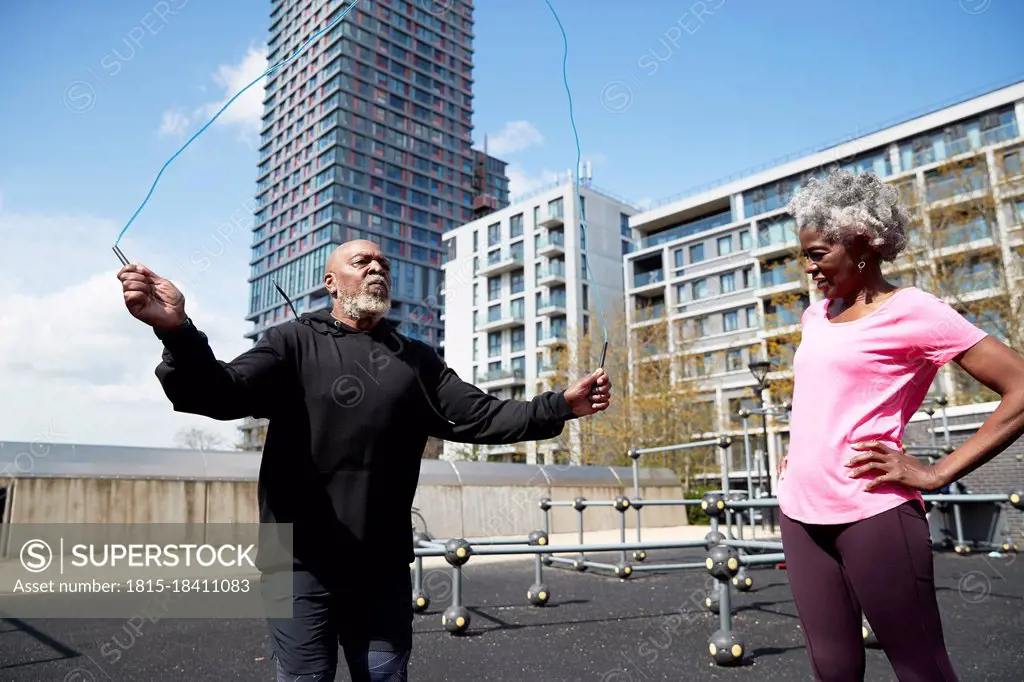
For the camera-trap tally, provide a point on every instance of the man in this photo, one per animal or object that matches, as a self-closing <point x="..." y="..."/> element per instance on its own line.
<point x="351" y="403"/>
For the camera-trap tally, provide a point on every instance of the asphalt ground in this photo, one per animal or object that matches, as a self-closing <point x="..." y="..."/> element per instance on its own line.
<point x="595" y="628"/>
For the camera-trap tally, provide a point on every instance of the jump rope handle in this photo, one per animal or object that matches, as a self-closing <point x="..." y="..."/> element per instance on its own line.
<point x="120" y="255"/>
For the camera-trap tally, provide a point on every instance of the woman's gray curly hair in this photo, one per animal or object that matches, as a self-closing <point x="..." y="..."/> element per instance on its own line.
<point x="843" y="204"/>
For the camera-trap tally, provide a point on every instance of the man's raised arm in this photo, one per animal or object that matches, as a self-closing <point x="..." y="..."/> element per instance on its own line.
<point x="477" y="417"/>
<point x="193" y="379"/>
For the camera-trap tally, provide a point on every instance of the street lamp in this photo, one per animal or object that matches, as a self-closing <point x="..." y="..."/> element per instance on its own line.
<point x="759" y="368"/>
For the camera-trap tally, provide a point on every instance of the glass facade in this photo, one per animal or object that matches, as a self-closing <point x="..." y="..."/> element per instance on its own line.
<point x="366" y="135"/>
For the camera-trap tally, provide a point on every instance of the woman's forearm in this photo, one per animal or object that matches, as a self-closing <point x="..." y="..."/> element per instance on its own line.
<point x="1004" y="426"/>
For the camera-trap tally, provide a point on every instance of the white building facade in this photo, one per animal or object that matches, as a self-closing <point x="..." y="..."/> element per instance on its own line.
<point x="519" y="284"/>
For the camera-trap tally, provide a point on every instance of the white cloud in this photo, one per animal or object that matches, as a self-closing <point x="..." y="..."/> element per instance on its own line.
<point x="516" y="136"/>
<point x="173" y="123"/>
<point x="521" y="182"/>
<point x="245" y="113"/>
<point x="76" y="367"/>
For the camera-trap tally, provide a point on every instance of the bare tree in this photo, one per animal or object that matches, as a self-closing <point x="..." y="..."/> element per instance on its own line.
<point x="198" y="439"/>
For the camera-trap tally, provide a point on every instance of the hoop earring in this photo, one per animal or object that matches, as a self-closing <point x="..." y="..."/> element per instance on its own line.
<point x="860" y="266"/>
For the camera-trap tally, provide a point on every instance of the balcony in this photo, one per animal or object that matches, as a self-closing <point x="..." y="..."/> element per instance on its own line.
<point x="781" y="319"/>
<point x="958" y="235"/>
<point x="501" y="261"/>
<point x="553" y="274"/>
<point x="779" y="279"/>
<point x="552" y="305"/>
<point x="649" y="313"/>
<point x="547" y="369"/>
<point x="646" y="279"/>
<point x="554" y="219"/>
<point x="505" y="317"/>
<point x="939" y="189"/>
<point x="554" y="245"/>
<point x="776" y="237"/>
<point x="553" y="337"/>
<point x="502" y="378"/>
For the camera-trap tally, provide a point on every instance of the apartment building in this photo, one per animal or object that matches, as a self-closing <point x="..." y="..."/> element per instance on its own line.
<point x="720" y="267"/>
<point x="519" y="284"/>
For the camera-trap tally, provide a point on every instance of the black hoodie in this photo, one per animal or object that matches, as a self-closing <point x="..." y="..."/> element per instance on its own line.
<point x="349" y="414"/>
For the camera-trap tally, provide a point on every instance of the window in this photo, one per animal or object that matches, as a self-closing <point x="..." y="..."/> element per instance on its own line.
<point x="476" y="349"/>
<point x="476" y="293"/>
<point x="624" y="225"/>
<point x="700" y="289"/>
<point x="584" y="298"/>
<point x="725" y="245"/>
<point x="704" y="326"/>
<point x="696" y="253"/>
<point x="519" y="366"/>
<point x="493" y="344"/>
<point x="748" y="278"/>
<point x="583" y="266"/>
<point x="752" y="317"/>
<point x="517" y="281"/>
<point x="493" y="288"/>
<point x="734" y="360"/>
<point x="1012" y="164"/>
<point x="678" y="255"/>
<point x="518" y="339"/>
<point x="745" y="241"/>
<point x="731" y="321"/>
<point x="728" y="282"/>
<point x="494" y="234"/>
<point x="515" y="225"/>
<point x="476" y="240"/>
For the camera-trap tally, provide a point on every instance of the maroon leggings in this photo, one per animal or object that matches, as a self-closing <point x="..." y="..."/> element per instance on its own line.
<point x="882" y="565"/>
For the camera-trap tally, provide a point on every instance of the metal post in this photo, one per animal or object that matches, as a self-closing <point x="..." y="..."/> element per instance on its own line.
<point x="750" y="479"/>
<point x="456" y="585"/>
<point x="767" y="459"/>
<point x="581" y="509"/>
<point x="636" y="495"/>
<point x="622" y="533"/>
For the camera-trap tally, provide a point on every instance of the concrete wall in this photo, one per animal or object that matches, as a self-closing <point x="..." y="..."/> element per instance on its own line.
<point x="456" y="499"/>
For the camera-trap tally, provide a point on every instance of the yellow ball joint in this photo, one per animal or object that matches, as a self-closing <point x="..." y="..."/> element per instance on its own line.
<point x="726" y="648"/>
<point x="457" y="551"/>
<point x="420" y="602"/>
<point x="722" y="562"/>
<point x="538" y="595"/>
<point x="455" y="619"/>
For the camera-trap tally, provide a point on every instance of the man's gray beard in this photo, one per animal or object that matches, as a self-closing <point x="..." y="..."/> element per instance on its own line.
<point x="365" y="306"/>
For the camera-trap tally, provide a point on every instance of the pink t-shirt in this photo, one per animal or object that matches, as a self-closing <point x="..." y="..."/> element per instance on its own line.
<point x="857" y="381"/>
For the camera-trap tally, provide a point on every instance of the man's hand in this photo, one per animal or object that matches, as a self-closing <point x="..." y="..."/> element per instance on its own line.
<point x="151" y="298"/>
<point x="591" y="394"/>
<point x="894" y="466"/>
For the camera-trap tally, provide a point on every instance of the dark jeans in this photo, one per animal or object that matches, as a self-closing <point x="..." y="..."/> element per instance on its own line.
<point x="882" y="565"/>
<point x="368" y="616"/>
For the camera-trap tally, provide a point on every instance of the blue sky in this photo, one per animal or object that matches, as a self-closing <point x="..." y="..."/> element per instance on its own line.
<point x="666" y="96"/>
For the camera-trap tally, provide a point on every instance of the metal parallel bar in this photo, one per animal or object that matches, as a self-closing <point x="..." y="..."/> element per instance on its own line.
<point x="973" y="497"/>
<point x="538" y="577"/>
<point x="751" y="544"/>
<point x="754" y="559"/>
<point x="571" y="549"/>
<point x="669" y="503"/>
<point x="678" y="446"/>
<point x="667" y="567"/>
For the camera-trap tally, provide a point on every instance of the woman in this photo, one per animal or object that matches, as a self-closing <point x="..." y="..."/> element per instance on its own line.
<point x="853" y="523"/>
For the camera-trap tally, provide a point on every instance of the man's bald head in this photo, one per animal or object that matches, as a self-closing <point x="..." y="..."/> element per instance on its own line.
<point x="358" y="277"/>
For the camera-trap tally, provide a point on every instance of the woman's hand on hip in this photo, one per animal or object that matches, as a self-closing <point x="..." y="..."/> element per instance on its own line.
<point x="892" y="466"/>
